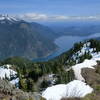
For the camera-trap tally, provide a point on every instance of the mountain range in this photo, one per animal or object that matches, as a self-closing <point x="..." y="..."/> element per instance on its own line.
<point x="75" y="28"/>
<point x="25" y="39"/>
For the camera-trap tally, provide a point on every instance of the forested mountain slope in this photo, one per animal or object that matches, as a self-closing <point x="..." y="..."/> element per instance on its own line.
<point x="73" y="67"/>
<point x="24" y="39"/>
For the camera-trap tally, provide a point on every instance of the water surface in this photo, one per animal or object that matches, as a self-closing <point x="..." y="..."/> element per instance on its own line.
<point x="65" y="43"/>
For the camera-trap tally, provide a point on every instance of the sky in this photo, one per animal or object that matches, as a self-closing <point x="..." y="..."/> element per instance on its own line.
<point x="42" y="9"/>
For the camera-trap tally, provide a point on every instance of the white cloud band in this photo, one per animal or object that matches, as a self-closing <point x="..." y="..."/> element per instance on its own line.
<point x="44" y="17"/>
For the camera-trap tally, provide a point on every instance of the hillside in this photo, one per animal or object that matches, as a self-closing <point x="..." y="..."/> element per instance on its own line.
<point x="85" y="85"/>
<point x="72" y="75"/>
<point x="24" y="39"/>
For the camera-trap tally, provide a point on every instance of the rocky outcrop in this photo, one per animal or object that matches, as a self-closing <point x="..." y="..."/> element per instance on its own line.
<point x="9" y="92"/>
<point x="91" y="76"/>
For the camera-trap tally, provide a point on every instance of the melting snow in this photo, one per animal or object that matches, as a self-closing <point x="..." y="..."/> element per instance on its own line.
<point x="85" y="49"/>
<point x="15" y="82"/>
<point x="75" y="88"/>
<point x="6" y="71"/>
<point x="86" y="64"/>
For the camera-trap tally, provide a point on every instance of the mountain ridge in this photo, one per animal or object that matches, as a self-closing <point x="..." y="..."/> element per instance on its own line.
<point x="21" y="38"/>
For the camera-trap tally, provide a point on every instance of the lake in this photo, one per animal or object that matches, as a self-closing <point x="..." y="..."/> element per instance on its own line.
<point x="65" y="43"/>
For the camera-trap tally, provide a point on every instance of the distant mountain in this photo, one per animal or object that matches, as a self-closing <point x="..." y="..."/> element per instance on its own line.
<point x="76" y="28"/>
<point x="81" y="30"/>
<point x="21" y="38"/>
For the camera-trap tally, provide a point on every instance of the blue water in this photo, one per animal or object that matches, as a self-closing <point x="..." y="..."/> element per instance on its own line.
<point x="65" y="43"/>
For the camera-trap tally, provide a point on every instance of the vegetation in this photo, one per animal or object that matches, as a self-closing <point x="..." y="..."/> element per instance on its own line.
<point x="29" y="72"/>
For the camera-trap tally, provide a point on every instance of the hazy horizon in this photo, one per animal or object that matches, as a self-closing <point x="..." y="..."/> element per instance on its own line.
<point x="52" y="10"/>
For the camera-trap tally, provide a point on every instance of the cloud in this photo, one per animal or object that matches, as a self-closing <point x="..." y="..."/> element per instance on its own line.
<point x="33" y="16"/>
<point x="44" y="17"/>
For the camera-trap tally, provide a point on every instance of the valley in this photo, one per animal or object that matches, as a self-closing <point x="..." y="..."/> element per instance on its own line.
<point x="65" y="43"/>
<point x="39" y="42"/>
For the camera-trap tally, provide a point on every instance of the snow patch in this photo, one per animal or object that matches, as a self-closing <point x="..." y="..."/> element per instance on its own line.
<point x="15" y="82"/>
<point x="75" y="88"/>
<point x="78" y="67"/>
<point x="85" y="49"/>
<point x="5" y="71"/>
<point x="10" y="74"/>
<point x="9" y="18"/>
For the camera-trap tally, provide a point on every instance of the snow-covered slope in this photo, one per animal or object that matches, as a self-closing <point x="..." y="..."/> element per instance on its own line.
<point x="78" y="87"/>
<point x="11" y="19"/>
<point x="86" y="49"/>
<point x="75" y="88"/>
<point x="86" y="64"/>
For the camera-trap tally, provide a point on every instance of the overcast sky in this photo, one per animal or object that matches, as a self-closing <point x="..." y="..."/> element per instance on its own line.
<point x="50" y="8"/>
